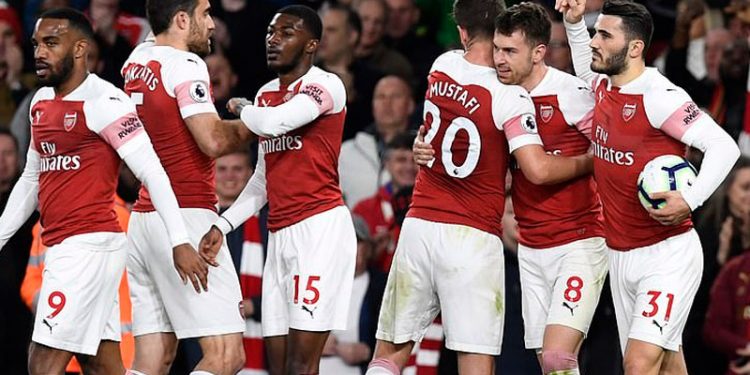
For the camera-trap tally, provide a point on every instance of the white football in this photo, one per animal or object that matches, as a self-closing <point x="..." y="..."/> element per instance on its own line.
<point x="664" y="173"/>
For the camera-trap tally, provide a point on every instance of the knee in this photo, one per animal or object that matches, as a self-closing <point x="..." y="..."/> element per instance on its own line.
<point x="558" y="360"/>
<point x="639" y="364"/>
<point x="224" y="354"/>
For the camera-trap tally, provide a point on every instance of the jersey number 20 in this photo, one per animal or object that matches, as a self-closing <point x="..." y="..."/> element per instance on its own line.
<point x="456" y="124"/>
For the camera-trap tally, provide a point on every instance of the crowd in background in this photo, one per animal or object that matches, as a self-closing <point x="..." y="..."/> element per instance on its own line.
<point x="382" y="50"/>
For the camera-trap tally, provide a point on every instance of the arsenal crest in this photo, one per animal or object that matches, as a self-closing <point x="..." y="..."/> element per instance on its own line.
<point x="546" y="112"/>
<point x="69" y="121"/>
<point x="628" y="111"/>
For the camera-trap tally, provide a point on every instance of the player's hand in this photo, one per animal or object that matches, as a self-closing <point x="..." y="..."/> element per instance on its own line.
<point x="422" y="150"/>
<point x="235" y="105"/>
<point x="190" y="266"/>
<point x="745" y="352"/>
<point x="329" y="348"/>
<point x="572" y="10"/>
<point x="353" y="353"/>
<point x="674" y="212"/>
<point x="739" y="370"/>
<point x="210" y="245"/>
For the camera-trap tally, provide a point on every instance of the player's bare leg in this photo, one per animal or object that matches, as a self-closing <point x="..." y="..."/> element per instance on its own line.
<point x="276" y="352"/>
<point x="389" y="357"/>
<point x="475" y="364"/>
<point x="673" y="363"/>
<point x="642" y="358"/>
<point x="44" y="360"/>
<point x="303" y="351"/>
<point x="222" y="354"/>
<point x="108" y="360"/>
<point x="560" y="349"/>
<point x="154" y="353"/>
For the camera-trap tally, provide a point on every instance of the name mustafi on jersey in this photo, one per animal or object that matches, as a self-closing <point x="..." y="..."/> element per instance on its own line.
<point x="456" y="93"/>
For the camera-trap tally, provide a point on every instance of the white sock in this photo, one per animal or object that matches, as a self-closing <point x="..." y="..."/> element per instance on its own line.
<point x="201" y="372"/>
<point x="133" y="372"/>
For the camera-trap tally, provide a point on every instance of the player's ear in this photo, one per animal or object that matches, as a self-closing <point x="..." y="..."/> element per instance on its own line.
<point x="312" y="46"/>
<point x="539" y="52"/>
<point x="182" y="20"/>
<point x="636" y="48"/>
<point x="81" y="48"/>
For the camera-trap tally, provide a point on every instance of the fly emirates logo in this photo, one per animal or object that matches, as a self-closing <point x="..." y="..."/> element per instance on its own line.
<point x="50" y="162"/>
<point x="610" y="154"/>
<point x="281" y="143"/>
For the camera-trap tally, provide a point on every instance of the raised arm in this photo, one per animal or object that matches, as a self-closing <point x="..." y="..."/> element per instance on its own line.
<point x="578" y="37"/>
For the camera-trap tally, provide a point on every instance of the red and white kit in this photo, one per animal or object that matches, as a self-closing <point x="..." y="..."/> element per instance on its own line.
<point x="655" y="269"/>
<point x="450" y="257"/>
<point x="169" y="85"/>
<point x="309" y="269"/>
<point x="562" y="254"/>
<point x="78" y="141"/>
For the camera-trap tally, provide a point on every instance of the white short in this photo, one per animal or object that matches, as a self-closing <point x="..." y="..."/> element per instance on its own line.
<point x="78" y="302"/>
<point x="161" y="302"/>
<point x="308" y="275"/>
<point x="453" y="269"/>
<point x="653" y="288"/>
<point x="561" y="285"/>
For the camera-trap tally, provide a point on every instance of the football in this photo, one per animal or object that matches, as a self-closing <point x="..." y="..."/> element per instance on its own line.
<point x="664" y="173"/>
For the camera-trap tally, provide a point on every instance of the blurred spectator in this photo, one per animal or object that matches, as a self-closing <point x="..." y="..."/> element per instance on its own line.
<point x="13" y="84"/>
<point x="371" y="48"/>
<point x="114" y="46"/>
<point x="15" y="318"/>
<point x="716" y="82"/>
<point x="223" y="81"/>
<point x="348" y="352"/>
<point x="401" y="30"/>
<point x="360" y="164"/>
<point x="341" y="33"/>
<point x="378" y="210"/>
<point x="558" y="50"/>
<point x="727" y="327"/>
<point x="246" y="22"/>
<point x="32" y="283"/>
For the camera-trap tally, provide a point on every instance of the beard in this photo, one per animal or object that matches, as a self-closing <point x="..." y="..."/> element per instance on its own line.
<point x="55" y="79"/>
<point x="283" y="68"/>
<point x="196" y="43"/>
<point x="613" y="65"/>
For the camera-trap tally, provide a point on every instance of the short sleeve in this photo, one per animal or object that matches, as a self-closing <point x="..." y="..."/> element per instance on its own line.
<point x="327" y="92"/>
<point x="187" y="79"/>
<point x="513" y="112"/>
<point x="577" y="105"/>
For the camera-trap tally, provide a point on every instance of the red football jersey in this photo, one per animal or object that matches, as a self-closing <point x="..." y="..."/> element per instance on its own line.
<point x="473" y="123"/>
<point x="632" y="125"/>
<point x="76" y="137"/>
<point x="169" y="85"/>
<point x="553" y="215"/>
<point x="302" y="176"/>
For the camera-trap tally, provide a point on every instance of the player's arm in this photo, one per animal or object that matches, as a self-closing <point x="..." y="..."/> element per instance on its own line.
<point x="252" y="198"/>
<point x="23" y="198"/>
<point x="690" y="125"/>
<point x="541" y="168"/>
<point x="216" y="137"/>
<point x="314" y="99"/>
<point x="578" y="37"/>
<point x="121" y="128"/>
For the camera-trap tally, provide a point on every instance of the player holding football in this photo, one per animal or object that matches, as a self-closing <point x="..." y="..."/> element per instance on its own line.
<point x="81" y="127"/>
<point x="449" y="257"/>
<point x="638" y="115"/>
<point x="169" y="82"/>
<point x="309" y="270"/>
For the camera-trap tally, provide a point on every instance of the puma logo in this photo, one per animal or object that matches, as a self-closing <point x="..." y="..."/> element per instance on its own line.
<point x="661" y="327"/>
<point x="48" y="324"/>
<point x="305" y="308"/>
<point x="571" y="308"/>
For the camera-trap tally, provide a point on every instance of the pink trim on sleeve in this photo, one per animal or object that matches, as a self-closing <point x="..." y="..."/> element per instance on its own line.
<point x="584" y="125"/>
<point x="122" y="130"/>
<point x="320" y="96"/>
<point x="681" y="120"/>
<point x="192" y="92"/>
<point x="515" y="127"/>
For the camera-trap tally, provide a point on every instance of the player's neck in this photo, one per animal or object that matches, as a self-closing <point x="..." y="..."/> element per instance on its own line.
<point x="535" y="77"/>
<point x="171" y="40"/>
<point x="77" y="76"/>
<point x="479" y="52"/>
<point x="634" y="70"/>
<point x="287" y="78"/>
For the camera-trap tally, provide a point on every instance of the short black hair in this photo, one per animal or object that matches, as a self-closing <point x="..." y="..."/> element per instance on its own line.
<point x="310" y="19"/>
<point x="636" y="20"/>
<point x="401" y="141"/>
<point x="76" y="20"/>
<point x="161" y="12"/>
<point x="477" y="16"/>
<point x="530" y="18"/>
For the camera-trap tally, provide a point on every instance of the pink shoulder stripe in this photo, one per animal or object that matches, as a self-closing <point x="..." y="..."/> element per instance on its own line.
<point x="122" y="130"/>
<point x="320" y="96"/>
<point x="681" y="120"/>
